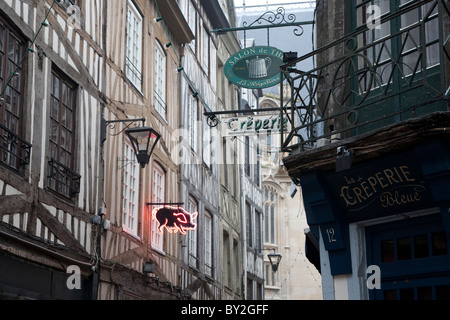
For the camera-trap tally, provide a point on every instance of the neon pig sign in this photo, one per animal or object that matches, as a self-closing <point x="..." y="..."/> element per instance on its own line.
<point x="174" y="219"/>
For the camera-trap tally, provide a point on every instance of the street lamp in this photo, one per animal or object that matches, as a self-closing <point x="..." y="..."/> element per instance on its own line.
<point x="143" y="140"/>
<point x="274" y="259"/>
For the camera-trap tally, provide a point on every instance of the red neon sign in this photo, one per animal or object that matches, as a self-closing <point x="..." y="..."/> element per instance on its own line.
<point x="174" y="219"/>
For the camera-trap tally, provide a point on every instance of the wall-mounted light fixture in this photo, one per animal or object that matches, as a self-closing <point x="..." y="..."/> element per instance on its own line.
<point x="274" y="259"/>
<point x="143" y="139"/>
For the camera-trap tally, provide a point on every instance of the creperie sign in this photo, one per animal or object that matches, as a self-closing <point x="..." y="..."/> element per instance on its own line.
<point x="251" y="125"/>
<point x="385" y="186"/>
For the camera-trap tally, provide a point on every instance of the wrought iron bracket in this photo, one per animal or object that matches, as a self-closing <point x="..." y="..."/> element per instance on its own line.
<point x="111" y="123"/>
<point x="271" y="19"/>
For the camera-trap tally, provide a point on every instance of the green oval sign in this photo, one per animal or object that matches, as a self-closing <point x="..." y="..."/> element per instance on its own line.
<point x="255" y="67"/>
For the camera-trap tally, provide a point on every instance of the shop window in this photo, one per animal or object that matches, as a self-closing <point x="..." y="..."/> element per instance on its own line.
<point x="439" y="243"/>
<point x="421" y="246"/>
<point x="404" y="248"/>
<point x="387" y="251"/>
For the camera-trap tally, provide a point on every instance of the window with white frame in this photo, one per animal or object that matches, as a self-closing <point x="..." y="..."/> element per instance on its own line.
<point x="269" y="215"/>
<point x="160" y="80"/>
<point x="249" y="224"/>
<point x="192" y="21"/>
<point x="133" y="56"/>
<point x="130" y="211"/>
<point x="205" y="50"/>
<point x="208" y="241"/>
<point x="193" y="122"/>
<point x="158" y="196"/>
<point x="207" y="147"/>
<point x="192" y="236"/>
<point x="258" y="230"/>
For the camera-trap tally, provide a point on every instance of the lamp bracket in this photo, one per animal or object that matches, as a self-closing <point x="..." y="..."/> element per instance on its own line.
<point x="111" y="123"/>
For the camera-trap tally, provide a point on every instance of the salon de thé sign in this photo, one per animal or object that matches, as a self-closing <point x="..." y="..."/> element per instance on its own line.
<point x="255" y="67"/>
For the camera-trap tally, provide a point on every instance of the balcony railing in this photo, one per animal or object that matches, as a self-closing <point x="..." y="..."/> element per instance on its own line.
<point x="63" y="180"/>
<point x="355" y="84"/>
<point x="14" y="151"/>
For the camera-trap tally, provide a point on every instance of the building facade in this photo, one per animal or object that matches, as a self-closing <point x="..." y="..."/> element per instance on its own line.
<point x="370" y="149"/>
<point x="284" y="215"/>
<point x="75" y="76"/>
<point x="142" y="51"/>
<point x="51" y="81"/>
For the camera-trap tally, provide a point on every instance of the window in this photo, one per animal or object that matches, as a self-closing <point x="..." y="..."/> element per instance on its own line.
<point x="247" y="156"/>
<point x="258" y="231"/>
<point x="192" y="237"/>
<point x="158" y="196"/>
<point x="269" y="215"/>
<point x="133" y="64"/>
<point x="249" y="224"/>
<point x="257" y="166"/>
<point x="397" y="56"/>
<point x="130" y="195"/>
<point x="226" y="258"/>
<point x="14" y="151"/>
<point x="208" y="244"/>
<point x="270" y="275"/>
<point x="205" y="51"/>
<point x="160" y="80"/>
<point x="225" y="162"/>
<point x="192" y="21"/>
<point x="193" y="122"/>
<point x="237" y="264"/>
<point x="62" y="178"/>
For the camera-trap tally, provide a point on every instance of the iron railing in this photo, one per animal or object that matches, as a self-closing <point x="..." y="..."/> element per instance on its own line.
<point x="358" y="86"/>
<point x="63" y="180"/>
<point x="14" y="151"/>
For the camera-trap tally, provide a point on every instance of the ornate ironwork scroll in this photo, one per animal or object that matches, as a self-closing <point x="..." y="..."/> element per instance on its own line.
<point x="273" y="19"/>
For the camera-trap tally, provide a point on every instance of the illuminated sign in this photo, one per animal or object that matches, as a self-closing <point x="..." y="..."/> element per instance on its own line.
<point x="255" y="67"/>
<point x="174" y="219"/>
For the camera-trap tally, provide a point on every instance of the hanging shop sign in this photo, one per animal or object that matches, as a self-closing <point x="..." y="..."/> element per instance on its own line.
<point x="174" y="219"/>
<point x="384" y="187"/>
<point x="254" y="124"/>
<point x="255" y="67"/>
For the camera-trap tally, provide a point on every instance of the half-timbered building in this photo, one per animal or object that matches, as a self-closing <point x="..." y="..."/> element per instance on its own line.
<point x="51" y="80"/>
<point x="143" y="48"/>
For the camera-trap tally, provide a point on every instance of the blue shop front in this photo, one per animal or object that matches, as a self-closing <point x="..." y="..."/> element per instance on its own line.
<point x="381" y="217"/>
